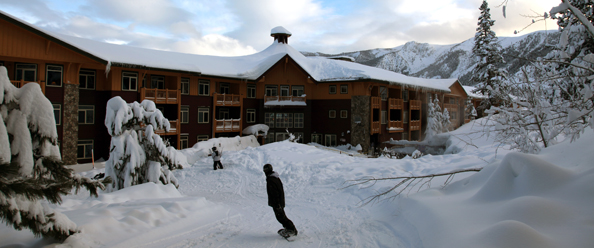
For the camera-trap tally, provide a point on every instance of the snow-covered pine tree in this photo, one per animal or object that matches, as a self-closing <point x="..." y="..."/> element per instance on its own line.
<point x="445" y="121"/>
<point x="487" y="75"/>
<point x="433" y="120"/>
<point x="31" y="171"/>
<point x="138" y="155"/>
<point x="470" y="111"/>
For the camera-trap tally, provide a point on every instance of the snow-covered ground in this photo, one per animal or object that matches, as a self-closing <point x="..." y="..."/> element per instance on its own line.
<point x="518" y="200"/>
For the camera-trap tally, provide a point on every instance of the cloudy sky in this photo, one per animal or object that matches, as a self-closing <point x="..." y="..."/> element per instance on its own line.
<point x="239" y="27"/>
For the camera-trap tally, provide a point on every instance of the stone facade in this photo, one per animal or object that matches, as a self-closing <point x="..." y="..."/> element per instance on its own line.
<point x="70" y="122"/>
<point x="360" y="121"/>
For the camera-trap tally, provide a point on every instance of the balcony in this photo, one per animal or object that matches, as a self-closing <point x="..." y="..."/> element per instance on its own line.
<point x="285" y="101"/>
<point x="395" y="126"/>
<point x="20" y="84"/>
<point x="160" y="96"/>
<point x="415" y="104"/>
<point x="229" y="100"/>
<point x="414" y="125"/>
<point x="173" y="129"/>
<point x="222" y="126"/>
<point x="375" y="127"/>
<point x="375" y="102"/>
<point x="395" y="103"/>
<point x="451" y="107"/>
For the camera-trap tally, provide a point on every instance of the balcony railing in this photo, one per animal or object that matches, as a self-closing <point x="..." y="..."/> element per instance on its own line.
<point x="415" y="104"/>
<point x="227" y="100"/>
<point x="20" y="84"/>
<point x="375" y="102"/>
<point x="414" y="125"/>
<point x="173" y="129"/>
<point x="162" y="96"/>
<point x="285" y="100"/>
<point x="395" y="103"/>
<point x="395" y="126"/>
<point x="451" y="107"/>
<point x="222" y="126"/>
<point x="375" y="127"/>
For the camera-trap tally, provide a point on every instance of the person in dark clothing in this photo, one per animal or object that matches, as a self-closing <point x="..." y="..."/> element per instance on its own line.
<point x="216" y="157"/>
<point x="276" y="200"/>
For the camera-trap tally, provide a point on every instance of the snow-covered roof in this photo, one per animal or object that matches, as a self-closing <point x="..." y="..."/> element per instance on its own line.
<point x="249" y="67"/>
<point x="469" y="91"/>
<point x="280" y="30"/>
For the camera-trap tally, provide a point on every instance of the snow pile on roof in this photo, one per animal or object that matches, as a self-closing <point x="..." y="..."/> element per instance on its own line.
<point x="469" y="90"/>
<point x="280" y="30"/>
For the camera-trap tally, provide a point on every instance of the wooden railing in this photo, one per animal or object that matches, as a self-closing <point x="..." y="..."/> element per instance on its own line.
<point x="227" y="125"/>
<point x="451" y="107"/>
<point x="375" y="127"/>
<point x="162" y="96"/>
<point x="285" y="100"/>
<point x="414" y="125"/>
<point x="375" y="102"/>
<point x="20" y="84"/>
<point x="395" y="103"/>
<point x="227" y="99"/>
<point x="395" y="126"/>
<point x="414" y="104"/>
<point x="173" y="129"/>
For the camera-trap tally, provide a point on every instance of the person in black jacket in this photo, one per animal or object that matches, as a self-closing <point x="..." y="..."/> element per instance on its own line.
<point x="276" y="199"/>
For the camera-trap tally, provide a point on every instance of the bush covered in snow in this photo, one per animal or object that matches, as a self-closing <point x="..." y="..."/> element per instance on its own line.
<point x="138" y="155"/>
<point x="31" y="170"/>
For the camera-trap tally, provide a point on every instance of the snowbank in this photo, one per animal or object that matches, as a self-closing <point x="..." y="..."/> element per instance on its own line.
<point x="203" y="149"/>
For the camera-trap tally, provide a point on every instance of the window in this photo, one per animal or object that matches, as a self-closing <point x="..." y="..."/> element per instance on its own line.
<point x="332" y="114"/>
<point x="269" y="138"/>
<point x="384" y="117"/>
<point x="224" y="114"/>
<point x="330" y="140"/>
<point x="344" y="113"/>
<point x="185" y="114"/>
<point x="224" y="88"/>
<point x="251" y="116"/>
<point x="53" y="75"/>
<point x="86" y="79"/>
<point x="281" y="136"/>
<point x="204" y="88"/>
<point x="383" y="93"/>
<point x="201" y="138"/>
<point x="284" y="120"/>
<point x="405" y="95"/>
<point x="183" y="142"/>
<point x="284" y="90"/>
<point x="332" y="89"/>
<point x="269" y="119"/>
<point x="129" y="81"/>
<point x="344" y="89"/>
<point x="316" y="138"/>
<point x="185" y="86"/>
<point x="86" y="114"/>
<point x="298" y="118"/>
<point x="453" y="115"/>
<point x="297" y="90"/>
<point x="57" y="113"/>
<point x="84" y="149"/>
<point x="26" y="72"/>
<point x="405" y="116"/>
<point x="251" y="91"/>
<point x="429" y="97"/>
<point x="203" y="114"/>
<point x="157" y="82"/>
<point x="271" y="90"/>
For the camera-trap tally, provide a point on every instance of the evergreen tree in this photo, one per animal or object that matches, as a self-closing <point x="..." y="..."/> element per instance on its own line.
<point x="138" y="155"/>
<point x="437" y="121"/>
<point x="470" y="111"/>
<point x="31" y="171"/>
<point x="486" y="75"/>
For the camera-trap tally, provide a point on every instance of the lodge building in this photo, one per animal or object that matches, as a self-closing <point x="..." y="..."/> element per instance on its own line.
<point x="323" y="100"/>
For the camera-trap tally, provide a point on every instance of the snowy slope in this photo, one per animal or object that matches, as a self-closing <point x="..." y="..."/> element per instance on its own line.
<point x="516" y="201"/>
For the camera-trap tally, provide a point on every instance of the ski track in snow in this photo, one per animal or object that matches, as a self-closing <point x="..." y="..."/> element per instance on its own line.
<point x="323" y="214"/>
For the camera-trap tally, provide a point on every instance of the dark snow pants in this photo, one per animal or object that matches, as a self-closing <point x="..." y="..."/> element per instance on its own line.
<point x="282" y="218"/>
<point x="220" y="166"/>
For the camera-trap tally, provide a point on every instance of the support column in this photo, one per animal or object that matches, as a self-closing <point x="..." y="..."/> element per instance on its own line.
<point x="361" y="121"/>
<point x="70" y="122"/>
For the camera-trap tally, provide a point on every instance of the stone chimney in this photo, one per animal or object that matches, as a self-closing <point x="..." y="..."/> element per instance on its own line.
<point x="280" y="34"/>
